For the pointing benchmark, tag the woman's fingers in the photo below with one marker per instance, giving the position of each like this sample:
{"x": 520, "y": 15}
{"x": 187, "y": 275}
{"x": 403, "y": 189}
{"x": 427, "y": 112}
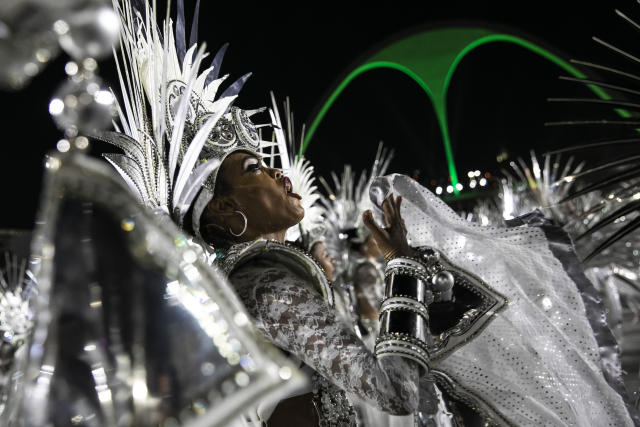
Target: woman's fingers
{"x": 398, "y": 204}
{"x": 396, "y": 211}
{"x": 392, "y": 218}
{"x": 387, "y": 208}
{"x": 392, "y": 239}
{"x": 400, "y": 220}
{"x": 392, "y": 213}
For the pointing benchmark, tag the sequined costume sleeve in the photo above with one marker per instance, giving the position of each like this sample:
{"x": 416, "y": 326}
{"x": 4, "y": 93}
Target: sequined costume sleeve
{"x": 295, "y": 317}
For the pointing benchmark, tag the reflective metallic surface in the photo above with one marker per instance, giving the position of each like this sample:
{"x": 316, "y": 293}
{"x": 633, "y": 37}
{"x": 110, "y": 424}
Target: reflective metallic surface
{"x": 132, "y": 328}
{"x": 31, "y": 32}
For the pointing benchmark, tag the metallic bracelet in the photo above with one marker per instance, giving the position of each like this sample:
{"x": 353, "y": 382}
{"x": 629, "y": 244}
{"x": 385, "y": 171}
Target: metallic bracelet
{"x": 432, "y": 307}
{"x": 404, "y": 317}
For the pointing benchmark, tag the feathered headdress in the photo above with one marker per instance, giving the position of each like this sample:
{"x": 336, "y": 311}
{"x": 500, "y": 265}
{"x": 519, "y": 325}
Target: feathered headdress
{"x": 348, "y": 199}
{"x": 536, "y": 186}
{"x": 175, "y": 130}
{"x": 583, "y": 212}
{"x": 301, "y": 173}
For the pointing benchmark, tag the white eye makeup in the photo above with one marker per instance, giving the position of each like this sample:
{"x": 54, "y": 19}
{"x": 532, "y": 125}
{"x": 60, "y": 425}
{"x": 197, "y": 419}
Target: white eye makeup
{"x": 252, "y": 164}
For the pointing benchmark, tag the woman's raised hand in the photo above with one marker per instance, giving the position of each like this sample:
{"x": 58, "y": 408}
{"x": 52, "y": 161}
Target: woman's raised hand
{"x": 392, "y": 238}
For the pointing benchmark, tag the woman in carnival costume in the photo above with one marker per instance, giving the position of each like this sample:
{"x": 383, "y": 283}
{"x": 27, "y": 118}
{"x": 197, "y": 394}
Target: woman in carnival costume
{"x": 214, "y": 148}
{"x": 460, "y": 307}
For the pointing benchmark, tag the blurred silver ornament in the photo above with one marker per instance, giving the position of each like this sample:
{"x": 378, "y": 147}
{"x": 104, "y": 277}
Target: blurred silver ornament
{"x": 89, "y": 33}
{"x": 82, "y": 103}
{"x": 429, "y": 255}
{"x": 24, "y": 58}
{"x": 132, "y": 327}
{"x": 27, "y": 39}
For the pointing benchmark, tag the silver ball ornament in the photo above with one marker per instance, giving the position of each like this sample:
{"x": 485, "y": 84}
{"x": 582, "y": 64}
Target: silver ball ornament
{"x": 84, "y": 104}
{"x": 89, "y": 33}
{"x": 443, "y": 281}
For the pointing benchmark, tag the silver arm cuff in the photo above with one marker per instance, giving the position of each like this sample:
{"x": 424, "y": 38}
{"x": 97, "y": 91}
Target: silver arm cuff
{"x": 404, "y": 317}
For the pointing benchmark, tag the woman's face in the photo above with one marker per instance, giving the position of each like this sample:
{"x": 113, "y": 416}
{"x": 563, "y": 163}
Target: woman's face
{"x": 263, "y": 194}
{"x": 319, "y": 252}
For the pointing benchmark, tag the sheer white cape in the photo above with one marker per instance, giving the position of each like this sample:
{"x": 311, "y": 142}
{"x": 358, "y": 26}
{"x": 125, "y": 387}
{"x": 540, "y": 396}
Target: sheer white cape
{"x": 537, "y": 362}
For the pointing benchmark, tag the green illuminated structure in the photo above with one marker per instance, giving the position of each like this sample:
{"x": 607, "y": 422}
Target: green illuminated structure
{"x": 430, "y": 58}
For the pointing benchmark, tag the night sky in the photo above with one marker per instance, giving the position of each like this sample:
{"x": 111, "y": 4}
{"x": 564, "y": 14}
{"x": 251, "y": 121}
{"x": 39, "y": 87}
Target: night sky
{"x": 497, "y": 101}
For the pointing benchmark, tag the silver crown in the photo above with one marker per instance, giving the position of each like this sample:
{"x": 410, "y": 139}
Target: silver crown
{"x": 233, "y": 132}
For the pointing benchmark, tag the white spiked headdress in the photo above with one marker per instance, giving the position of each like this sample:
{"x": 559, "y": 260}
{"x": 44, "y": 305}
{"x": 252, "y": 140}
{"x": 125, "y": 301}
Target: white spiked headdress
{"x": 175, "y": 129}
{"x": 301, "y": 173}
{"x": 348, "y": 199}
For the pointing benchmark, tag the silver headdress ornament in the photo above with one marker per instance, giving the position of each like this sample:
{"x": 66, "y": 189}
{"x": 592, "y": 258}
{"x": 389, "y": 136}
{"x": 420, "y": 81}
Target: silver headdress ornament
{"x": 527, "y": 187}
{"x": 348, "y": 199}
{"x": 167, "y": 100}
{"x": 301, "y": 173}
{"x": 17, "y": 286}
{"x": 586, "y": 214}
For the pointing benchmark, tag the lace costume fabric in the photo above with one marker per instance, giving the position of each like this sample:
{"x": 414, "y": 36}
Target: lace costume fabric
{"x": 537, "y": 362}
{"x": 295, "y": 317}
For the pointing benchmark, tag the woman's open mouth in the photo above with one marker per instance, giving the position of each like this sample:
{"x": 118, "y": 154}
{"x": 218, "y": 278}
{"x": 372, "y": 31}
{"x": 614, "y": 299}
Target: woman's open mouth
{"x": 288, "y": 187}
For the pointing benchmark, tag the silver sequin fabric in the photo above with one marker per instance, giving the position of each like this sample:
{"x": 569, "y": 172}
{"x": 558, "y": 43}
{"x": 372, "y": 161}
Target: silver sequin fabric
{"x": 537, "y": 362}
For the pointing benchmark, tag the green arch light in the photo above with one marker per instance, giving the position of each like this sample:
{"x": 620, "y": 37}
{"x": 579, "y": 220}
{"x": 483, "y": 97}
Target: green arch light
{"x": 430, "y": 58}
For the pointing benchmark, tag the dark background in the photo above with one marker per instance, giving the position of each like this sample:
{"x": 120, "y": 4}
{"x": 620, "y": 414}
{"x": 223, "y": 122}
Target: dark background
{"x": 497, "y": 100}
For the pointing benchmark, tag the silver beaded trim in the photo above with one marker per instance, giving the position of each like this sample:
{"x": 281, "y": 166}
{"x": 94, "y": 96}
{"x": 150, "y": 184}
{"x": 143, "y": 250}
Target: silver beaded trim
{"x": 243, "y": 251}
{"x": 332, "y": 404}
{"x": 403, "y": 345}
{"x": 406, "y": 262}
{"x": 401, "y": 303}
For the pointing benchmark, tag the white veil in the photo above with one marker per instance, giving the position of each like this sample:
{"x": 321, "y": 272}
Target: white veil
{"x": 537, "y": 362}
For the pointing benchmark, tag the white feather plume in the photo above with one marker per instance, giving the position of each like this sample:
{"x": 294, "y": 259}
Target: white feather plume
{"x": 299, "y": 170}
{"x": 347, "y": 198}
{"x": 149, "y": 62}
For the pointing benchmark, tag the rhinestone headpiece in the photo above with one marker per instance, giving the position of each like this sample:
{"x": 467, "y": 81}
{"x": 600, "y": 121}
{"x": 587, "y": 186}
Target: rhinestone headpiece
{"x": 234, "y": 131}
